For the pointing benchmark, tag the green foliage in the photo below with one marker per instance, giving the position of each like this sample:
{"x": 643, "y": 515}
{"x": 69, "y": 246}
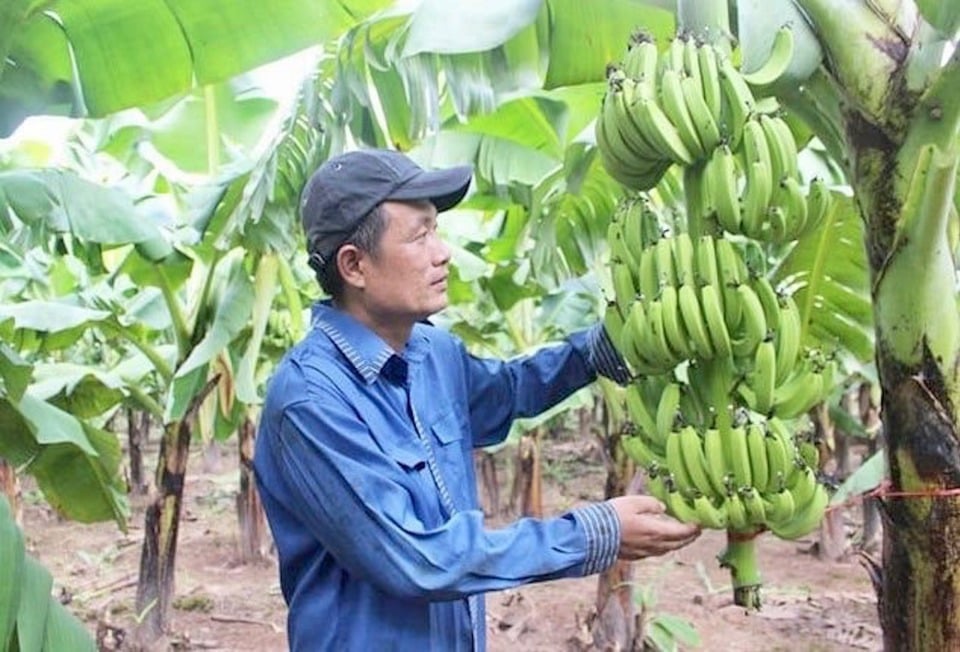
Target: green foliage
{"x": 31, "y": 618}
{"x": 113, "y": 43}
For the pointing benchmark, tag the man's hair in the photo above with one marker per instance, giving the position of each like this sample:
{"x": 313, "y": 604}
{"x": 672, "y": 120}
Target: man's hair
{"x": 365, "y": 237}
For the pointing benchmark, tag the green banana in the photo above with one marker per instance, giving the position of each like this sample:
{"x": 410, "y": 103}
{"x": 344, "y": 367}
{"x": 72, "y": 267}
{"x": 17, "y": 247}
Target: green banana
{"x": 788, "y": 338}
{"x": 683, "y": 258}
{"x": 780, "y": 507}
{"x": 613, "y": 323}
{"x": 635, "y": 325}
{"x": 819, "y": 202}
{"x": 694, "y": 460}
{"x": 798, "y": 394}
{"x": 795, "y": 206}
{"x": 757, "y": 450}
{"x": 738, "y": 102}
{"x": 783, "y": 147}
{"x": 648, "y": 281}
{"x": 763, "y": 377}
{"x": 710, "y": 80}
{"x": 640, "y": 414}
{"x": 806, "y": 518}
{"x": 776, "y": 225}
{"x": 624, "y": 291}
{"x": 778, "y": 461}
{"x": 707, "y": 261}
{"x": 653, "y": 123}
{"x": 620, "y": 121}
{"x": 693, "y": 321}
{"x": 667, "y": 409}
{"x": 721, "y": 174}
{"x": 756, "y": 511}
{"x": 755, "y": 200}
{"x": 678, "y": 468}
{"x": 674, "y": 106}
{"x": 640, "y": 62}
{"x": 738, "y": 455}
{"x": 804, "y": 482}
{"x": 777, "y": 63}
{"x": 716, "y": 465}
{"x": 656, "y": 341}
{"x": 691, "y": 63}
{"x": 664, "y": 262}
{"x": 679, "y": 508}
{"x": 707, "y": 130}
{"x": 737, "y": 518}
{"x": 753, "y": 326}
{"x": 656, "y": 485}
{"x": 641, "y": 452}
{"x": 618, "y": 244}
{"x": 708, "y": 514}
{"x": 769, "y": 300}
{"x": 677, "y": 337}
{"x": 674, "y": 55}
{"x": 716, "y": 323}
{"x": 732, "y": 272}
{"x": 809, "y": 452}
{"x": 754, "y": 146}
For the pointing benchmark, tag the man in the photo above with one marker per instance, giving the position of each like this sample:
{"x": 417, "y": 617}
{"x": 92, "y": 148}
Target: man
{"x": 364, "y": 453}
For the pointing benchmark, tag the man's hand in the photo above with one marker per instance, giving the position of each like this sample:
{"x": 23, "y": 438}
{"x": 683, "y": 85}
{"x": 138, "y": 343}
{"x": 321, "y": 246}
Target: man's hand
{"x": 646, "y": 530}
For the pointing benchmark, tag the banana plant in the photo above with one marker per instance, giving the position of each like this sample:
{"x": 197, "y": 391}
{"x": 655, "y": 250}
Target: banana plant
{"x": 888, "y": 73}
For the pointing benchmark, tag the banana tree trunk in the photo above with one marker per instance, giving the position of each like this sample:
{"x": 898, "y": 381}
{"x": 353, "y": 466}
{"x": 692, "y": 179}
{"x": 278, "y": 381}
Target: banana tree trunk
{"x": 249, "y": 508}
{"x": 920, "y": 601}
{"x": 899, "y": 111}
{"x": 138, "y": 428}
{"x": 155, "y": 587}
{"x": 917, "y": 354}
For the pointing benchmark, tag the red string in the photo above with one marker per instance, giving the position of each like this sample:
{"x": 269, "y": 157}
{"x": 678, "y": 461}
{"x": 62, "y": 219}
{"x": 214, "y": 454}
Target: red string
{"x": 883, "y": 490}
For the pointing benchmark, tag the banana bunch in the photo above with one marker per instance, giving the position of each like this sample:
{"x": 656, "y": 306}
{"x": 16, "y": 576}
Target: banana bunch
{"x": 670, "y": 108}
{"x": 755, "y": 189}
{"x": 745, "y": 477}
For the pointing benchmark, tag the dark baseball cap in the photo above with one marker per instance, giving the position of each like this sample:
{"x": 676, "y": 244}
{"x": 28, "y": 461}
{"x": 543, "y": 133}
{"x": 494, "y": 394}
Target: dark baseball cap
{"x": 342, "y": 191}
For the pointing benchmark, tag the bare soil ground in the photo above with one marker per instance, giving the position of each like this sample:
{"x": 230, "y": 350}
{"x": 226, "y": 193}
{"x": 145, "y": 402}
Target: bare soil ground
{"x": 809, "y": 605}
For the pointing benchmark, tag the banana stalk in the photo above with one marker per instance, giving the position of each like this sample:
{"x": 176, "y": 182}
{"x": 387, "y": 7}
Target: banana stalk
{"x": 740, "y": 556}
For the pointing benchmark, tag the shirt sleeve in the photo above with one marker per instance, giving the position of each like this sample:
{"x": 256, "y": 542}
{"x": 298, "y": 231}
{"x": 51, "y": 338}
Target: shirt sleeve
{"x": 604, "y": 356}
{"x": 501, "y": 391}
{"x": 361, "y": 505}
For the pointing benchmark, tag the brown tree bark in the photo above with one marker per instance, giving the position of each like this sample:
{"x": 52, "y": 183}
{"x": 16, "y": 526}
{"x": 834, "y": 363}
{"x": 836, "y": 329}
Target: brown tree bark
{"x": 138, "y": 429}
{"x": 485, "y": 463}
{"x": 250, "y": 514}
{"x": 155, "y": 587}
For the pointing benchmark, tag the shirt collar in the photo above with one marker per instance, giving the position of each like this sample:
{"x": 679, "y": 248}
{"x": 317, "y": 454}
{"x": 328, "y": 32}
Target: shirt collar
{"x": 365, "y": 350}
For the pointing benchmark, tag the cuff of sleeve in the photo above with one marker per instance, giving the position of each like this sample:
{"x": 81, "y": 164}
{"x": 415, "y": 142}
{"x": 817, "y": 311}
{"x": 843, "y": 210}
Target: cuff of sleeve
{"x": 605, "y": 358}
{"x": 602, "y": 529}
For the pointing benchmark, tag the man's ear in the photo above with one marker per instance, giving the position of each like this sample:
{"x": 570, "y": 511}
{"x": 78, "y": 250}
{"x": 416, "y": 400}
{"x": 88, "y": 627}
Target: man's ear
{"x": 348, "y": 262}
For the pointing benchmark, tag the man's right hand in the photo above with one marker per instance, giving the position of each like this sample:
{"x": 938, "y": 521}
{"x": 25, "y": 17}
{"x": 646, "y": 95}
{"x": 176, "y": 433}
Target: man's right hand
{"x": 646, "y": 530}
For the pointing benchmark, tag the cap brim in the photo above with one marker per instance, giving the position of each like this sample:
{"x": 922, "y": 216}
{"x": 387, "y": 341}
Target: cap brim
{"x": 444, "y": 188}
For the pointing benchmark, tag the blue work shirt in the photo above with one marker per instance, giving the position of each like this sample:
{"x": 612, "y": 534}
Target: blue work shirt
{"x": 364, "y": 464}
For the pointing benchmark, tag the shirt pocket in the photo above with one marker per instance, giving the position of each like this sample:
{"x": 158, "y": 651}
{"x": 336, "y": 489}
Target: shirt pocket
{"x": 454, "y": 460}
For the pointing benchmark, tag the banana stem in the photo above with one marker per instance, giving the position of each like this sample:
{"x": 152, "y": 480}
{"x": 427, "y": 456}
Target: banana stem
{"x": 708, "y": 20}
{"x": 740, "y": 556}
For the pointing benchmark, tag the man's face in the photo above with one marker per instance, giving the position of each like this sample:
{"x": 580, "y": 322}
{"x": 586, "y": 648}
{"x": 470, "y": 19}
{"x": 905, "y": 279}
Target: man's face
{"x": 406, "y": 277}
